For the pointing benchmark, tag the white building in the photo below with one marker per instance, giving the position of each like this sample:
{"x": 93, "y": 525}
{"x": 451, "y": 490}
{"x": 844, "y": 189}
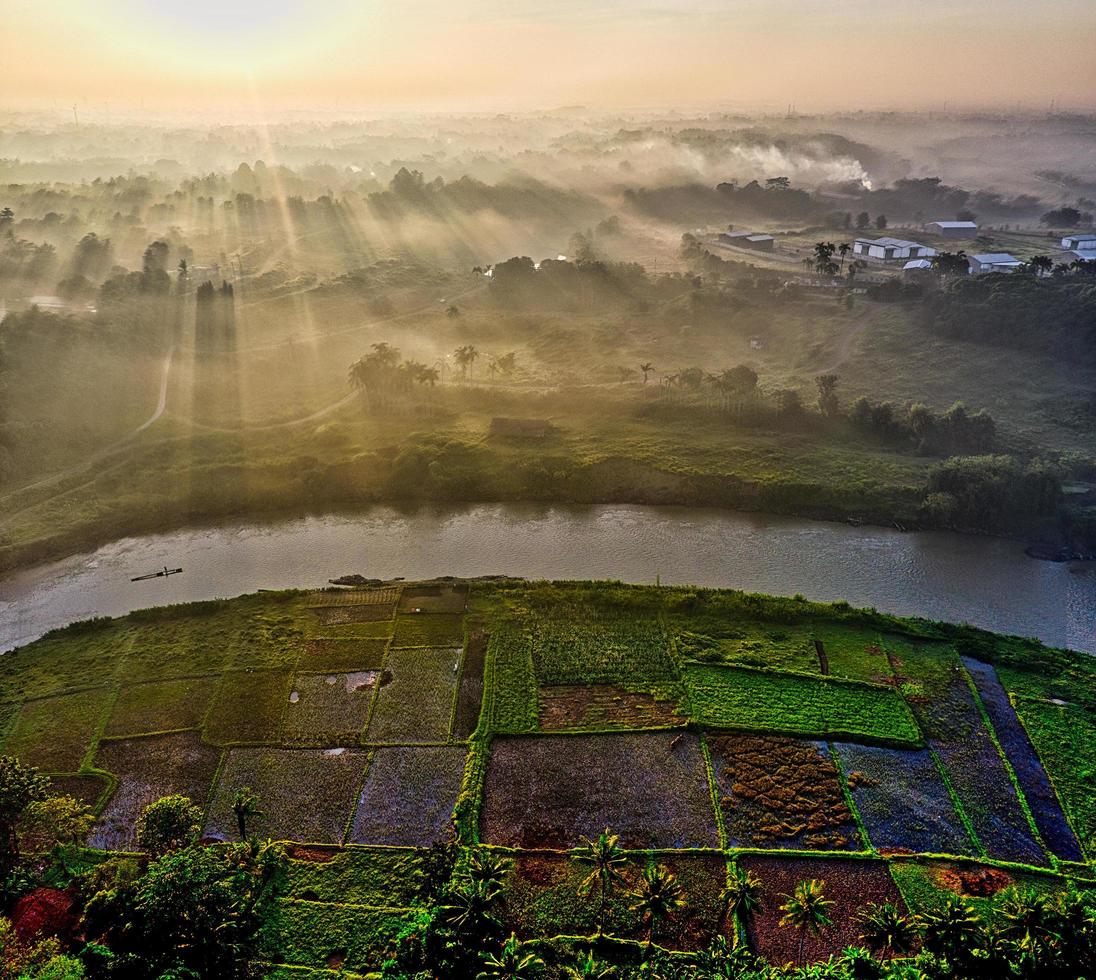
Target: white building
{"x": 890, "y": 249}
{"x": 953, "y": 229}
{"x": 1081, "y": 254}
{"x": 1085, "y": 242}
{"x": 917, "y": 266}
{"x": 993, "y": 262}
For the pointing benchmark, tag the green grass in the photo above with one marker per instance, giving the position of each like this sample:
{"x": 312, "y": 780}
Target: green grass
{"x": 428, "y": 630}
{"x": 160, "y": 706}
{"x": 417, "y": 704}
{"x": 755, "y": 700}
{"x": 248, "y": 707}
{"x": 54, "y": 734}
{"x": 1065, "y": 739}
{"x": 511, "y": 686}
{"x": 357, "y": 877}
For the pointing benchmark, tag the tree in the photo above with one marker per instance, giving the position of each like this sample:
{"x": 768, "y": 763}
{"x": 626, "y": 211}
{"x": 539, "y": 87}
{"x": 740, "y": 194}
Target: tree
{"x": 951, "y": 263}
{"x": 245, "y": 807}
{"x": 657, "y": 899}
{"x": 863, "y": 220}
{"x": 828, "y": 404}
{"x": 824, "y": 264}
{"x": 741, "y": 898}
{"x": 466, "y": 356}
{"x": 470, "y": 908}
{"x": 881, "y": 222}
{"x": 807, "y": 910}
{"x": 198, "y": 910}
{"x": 606, "y": 860}
{"x": 952, "y": 932}
{"x": 1040, "y": 265}
{"x": 886, "y": 930}
{"x": 589, "y": 969}
{"x": 843, "y": 249}
{"x": 1062, "y": 218}
{"x": 20, "y": 786}
{"x": 487, "y": 868}
{"x": 646, "y": 367}
{"x": 453, "y": 312}
{"x": 171, "y": 823}
{"x": 511, "y": 962}
{"x": 57, "y": 822}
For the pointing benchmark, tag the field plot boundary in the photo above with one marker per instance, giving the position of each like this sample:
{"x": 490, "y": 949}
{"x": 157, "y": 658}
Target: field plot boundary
{"x": 706, "y": 719}
{"x": 354, "y": 597}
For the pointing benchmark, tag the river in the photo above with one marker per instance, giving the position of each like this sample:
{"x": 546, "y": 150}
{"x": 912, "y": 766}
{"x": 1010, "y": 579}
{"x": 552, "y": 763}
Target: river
{"x": 984, "y": 581}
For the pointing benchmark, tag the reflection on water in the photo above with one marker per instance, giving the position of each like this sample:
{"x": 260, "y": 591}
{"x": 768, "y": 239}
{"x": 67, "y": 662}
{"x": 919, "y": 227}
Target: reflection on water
{"x": 940, "y": 576}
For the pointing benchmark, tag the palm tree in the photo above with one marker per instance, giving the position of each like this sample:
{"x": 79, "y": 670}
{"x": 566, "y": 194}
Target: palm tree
{"x": 1030, "y": 922}
{"x": 658, "y": 897}
{"x": 741, "y": 898}
{"x": 245, "y": 806}
{"x": 646, "y": 367}
{"x": 1041, "y": 264}
{"x": 606, "y": 860}
{"x": 843, "y": 248}
{"x": 807, "y": 909}
{"x": 510, "y": 963}
{"x": 886, "y": 930}
{"x": 471, "y": 907}
{"x": 466, "y": 356}
{"x": 487, "y": 868}
{"x": 951, "y": 932}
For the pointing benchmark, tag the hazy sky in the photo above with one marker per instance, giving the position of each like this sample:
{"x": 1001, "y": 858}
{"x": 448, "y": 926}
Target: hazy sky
{"x": 494, "y": 54}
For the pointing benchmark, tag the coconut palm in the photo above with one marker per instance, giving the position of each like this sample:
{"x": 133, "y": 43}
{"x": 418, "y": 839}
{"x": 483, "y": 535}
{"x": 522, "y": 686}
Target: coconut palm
{"x": 952, "y": 931}
{"x": 510, "y": 963}
{"x": 1040, "y": 264}
{"x": 471, "y": 905}
{"x": 245, "y": 807}
{"x": 1031, "y": 923}
{"x": 886, "y": 930}
{"x": 843, "y": 248}
{"x": 807, "y": 910}
{"x": 487, "y": 868}
{"x": 658, "y": 897}
{"x": 646, "y": 367}
{"x": 606, "y": 860}
{"x": 741, "y": 898}
{"x": 466, "y": 356}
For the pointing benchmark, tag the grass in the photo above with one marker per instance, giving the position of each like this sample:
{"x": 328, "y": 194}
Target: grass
{"x": 408, "y": 796}
{"x": 55, "y": 734}
{"x": 306, "y": 794}
{"x": 756, "y": 700}
{"x": 416, "y": 705}
{"x": 329, "y": 709}
{"x": 425, "y": 630}
{"x": 382, "y": 878}
{"x": 162, "y": 706}
{"x": 1065, "y": 738}
{"x": 248, "y": 707}
{"x": 336, "y": 654}
{"x": 512, "y": 685}
{"x": 148, "y": 769}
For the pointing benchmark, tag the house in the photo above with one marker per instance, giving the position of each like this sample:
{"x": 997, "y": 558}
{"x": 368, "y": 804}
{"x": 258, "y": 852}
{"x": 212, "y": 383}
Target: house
{"x": 993, "y": 262}
{"x": 953, "y": 229}
{"x": 748, "y": 239}
{"x": 890, "y": 249}
{"x": 1081, "y": 255}
{"x": 1083, "y": 242}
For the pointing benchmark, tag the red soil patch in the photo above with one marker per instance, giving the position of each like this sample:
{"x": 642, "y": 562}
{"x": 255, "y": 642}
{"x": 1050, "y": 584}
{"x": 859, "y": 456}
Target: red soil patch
{"x": 602, "y": 706}
{"x": 973, "y": 882}
{"x": 317, "y": 855}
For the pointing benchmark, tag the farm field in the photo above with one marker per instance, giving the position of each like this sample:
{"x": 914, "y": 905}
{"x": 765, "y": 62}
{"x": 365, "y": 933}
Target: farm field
{"x": 710, "y": 731}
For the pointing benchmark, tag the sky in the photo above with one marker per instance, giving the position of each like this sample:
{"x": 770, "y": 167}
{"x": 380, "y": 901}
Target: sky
{"x": 483, "y": 55}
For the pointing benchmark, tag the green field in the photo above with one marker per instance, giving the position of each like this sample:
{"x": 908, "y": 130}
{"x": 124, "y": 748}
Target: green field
{"x": 375, "y": 794}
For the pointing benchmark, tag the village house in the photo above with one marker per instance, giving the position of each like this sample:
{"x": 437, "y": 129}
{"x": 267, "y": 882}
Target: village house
{"x": 953, "y": 229}
{"x": 993, "y": 262}
{"x": 890, "y": 250}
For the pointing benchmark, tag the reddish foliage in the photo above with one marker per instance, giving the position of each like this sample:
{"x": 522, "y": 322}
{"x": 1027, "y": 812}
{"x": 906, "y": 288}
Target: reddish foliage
{"x": 44, "y": 913}
{"x": 976, "y": 882}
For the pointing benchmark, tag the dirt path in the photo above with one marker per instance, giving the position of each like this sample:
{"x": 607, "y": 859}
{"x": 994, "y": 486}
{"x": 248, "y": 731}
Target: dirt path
{"x": 846, "y": 345}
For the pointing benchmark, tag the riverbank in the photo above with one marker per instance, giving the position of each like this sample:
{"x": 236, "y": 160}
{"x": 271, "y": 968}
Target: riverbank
{"x": 986, "y": 581}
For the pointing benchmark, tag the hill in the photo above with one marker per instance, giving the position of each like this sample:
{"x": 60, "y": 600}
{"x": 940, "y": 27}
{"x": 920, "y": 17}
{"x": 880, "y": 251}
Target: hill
{"x": 395, "y": 732}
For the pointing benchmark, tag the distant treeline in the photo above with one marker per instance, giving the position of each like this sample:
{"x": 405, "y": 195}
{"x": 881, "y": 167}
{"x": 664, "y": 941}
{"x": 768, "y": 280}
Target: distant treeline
{"x": 1050, "y": 314}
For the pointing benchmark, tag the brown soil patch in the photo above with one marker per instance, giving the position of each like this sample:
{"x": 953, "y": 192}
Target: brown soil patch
{"x": 973, "y": 882}
{"x": 603, "y": 706}
{"x": 780, "y": 792}
{"x": 317, "y": 855}
{"x": 470, "y": 692}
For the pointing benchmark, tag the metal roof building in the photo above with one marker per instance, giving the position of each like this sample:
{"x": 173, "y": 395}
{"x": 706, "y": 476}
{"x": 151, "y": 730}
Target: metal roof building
{"x": 890, "y": 249}
{"x": 954, "y": 229}
{"x": 993, "y": 262}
